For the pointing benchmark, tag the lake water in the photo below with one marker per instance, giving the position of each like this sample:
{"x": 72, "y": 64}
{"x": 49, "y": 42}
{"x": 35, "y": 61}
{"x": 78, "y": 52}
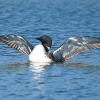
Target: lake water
{"x": 76, "y": 79}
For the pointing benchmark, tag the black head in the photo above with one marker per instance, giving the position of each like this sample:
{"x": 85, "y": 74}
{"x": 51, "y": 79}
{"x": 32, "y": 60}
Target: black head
{"x": 46, "y": 41}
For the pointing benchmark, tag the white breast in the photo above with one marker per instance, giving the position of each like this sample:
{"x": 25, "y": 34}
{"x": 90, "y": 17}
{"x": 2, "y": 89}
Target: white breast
{"x": 39, "y": 55}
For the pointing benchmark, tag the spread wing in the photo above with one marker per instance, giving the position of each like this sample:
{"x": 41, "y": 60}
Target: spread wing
{"x": 74, "y": 45}
{"x": 17, "y": 42}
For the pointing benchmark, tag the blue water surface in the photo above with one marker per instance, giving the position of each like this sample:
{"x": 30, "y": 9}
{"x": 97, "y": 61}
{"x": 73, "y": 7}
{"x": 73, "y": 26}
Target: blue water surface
{"x": 76, "y": 79}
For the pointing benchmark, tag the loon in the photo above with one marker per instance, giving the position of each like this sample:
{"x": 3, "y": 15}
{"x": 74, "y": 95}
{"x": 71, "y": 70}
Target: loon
{"x": 41, "y": 52}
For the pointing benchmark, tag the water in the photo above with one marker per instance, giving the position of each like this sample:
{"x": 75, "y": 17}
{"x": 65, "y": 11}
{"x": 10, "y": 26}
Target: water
{"x": 77, "y": 79}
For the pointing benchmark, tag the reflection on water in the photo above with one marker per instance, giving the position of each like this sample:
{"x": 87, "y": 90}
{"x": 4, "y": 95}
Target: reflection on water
{"x": 39, "y": 64}
{"x": 37, "y": 70}
{"x": 55, "y": 81}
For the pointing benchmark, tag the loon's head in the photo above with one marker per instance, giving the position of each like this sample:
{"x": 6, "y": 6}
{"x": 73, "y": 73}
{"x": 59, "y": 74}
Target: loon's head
{"x": 46, "y": 41}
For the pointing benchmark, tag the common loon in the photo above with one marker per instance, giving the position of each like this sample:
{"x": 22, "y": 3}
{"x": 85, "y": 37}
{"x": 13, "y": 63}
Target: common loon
{"x": 41, "y": 53}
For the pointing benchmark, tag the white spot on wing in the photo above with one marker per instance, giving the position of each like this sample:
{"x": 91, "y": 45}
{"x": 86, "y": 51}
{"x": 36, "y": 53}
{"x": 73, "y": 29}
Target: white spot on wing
{"x": 73, "y": 39}
{"x": 84, "y": 40}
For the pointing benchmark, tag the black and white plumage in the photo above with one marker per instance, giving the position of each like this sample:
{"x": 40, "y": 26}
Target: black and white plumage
{"x": 74, "y": 45}
{"x": 41, "y": 53}
{"x": 17, "y": 42}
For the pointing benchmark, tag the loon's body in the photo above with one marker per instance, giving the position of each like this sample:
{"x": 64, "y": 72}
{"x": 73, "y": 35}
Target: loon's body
{"x": 41, "y": 52}
{"x": 39, "y": 55}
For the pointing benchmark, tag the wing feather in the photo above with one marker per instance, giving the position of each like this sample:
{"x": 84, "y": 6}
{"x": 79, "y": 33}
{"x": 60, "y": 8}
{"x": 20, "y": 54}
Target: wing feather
{"x": 74, "y": 45}
{"x": 17, "y": 42}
